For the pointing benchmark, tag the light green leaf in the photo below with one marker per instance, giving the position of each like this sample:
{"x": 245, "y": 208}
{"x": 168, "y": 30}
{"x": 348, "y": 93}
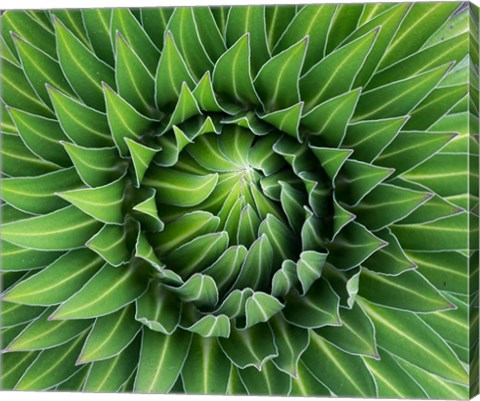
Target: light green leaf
{"x": 154, "y": 21}
{"x": 16, "y": 258}
{"x": 277, "y": 81}
{"x": 95, "y": 166}
{"x": 103, "y": 203}
{"x": 306, "y": 384}
{"x": 235, "y": 143}
{"x": 292, "y": 201}
{"x": 159, "y": 309}
{"x": 97, "y": 25}
{"x": 284, "y": 279}
{"x": 291, "y": 342}
{"x": 110, "y": 335}
{"x": 398, "y": 98}
{"x": 32, "y": 129}
{"x": 261, "y": 157}
{"x": 211, "y": 326}
{"x": 317, "y": 308}
{"x": 141, "y": 157}
{"x": 147, "y": 213}
{"x": 355, "y": 336}
{"x": 58, "y": 281}
{"x": 52, "y": 367}
{"x": 234, "y": 304}
{"x": 232, "y": 77}
{"x": 107, "y": 291}
{"x": 309, "y": 268}
{"x": 344, "y": 21}
{"x": 63, "y": 229}
{"x": 171, "y": 73}
{"x": 205, "y": 96}
{"x": 267, "y": 381}
{"x": 286, "y": 120}
{"x": 208, "y": 32}
{"x": 72, "y": 19}
{"x": 199, "y": 289}
{"x": 250, "y": 21}
{"x": 213, "y": 377}
{"x": 15, "y": 367}
{"x": 43, "y": 334}
{"x": 346, "y": 375}
{"x": 277, "y": 19}
{"x": 123, "y": 21}
{"x": 247, "y": 226}
{"x": 250, "y": 347}
{"x": 124, "y": 120}
{"x": 111, "y": 244}
{"x": 260, "y": 307}
{"x": 336, "y": 73}
{"x": 37, "y": 194}
{"x": 14, "y": 314}
{"x": 162, "y": 358}
{"x": 134, "y": 82}
{"x": 184, "y": 29}
{"x": 408, "y": 337}
{"x": 84, "y": 125}
{"x": 180, "y": 189}
{"x": 83, "y": 70}
{"x": 281, "y": 238}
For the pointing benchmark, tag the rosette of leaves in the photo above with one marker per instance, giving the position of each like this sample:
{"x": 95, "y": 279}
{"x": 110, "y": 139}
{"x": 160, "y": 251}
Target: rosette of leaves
{"x": 261, "y": 200}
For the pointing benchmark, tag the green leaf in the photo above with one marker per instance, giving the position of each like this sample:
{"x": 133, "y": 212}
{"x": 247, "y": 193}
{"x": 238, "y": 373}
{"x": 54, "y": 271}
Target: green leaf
{"x": 63, "y": 229}
{"x": 214, "y": 376}
{"x": 284, "y": 279}
{"x": 16, "y": 258}
{"x": 281, "y": 238}
{"x": 286, "y": 120}
{"x": 291, "y": 342}
{"x": 353, "y": 245}
{"x": 110, "y": 335}
{"x": 52, "y": 367}
{"x": 154, "y": 21}
{"x": 408, "y": 337}
{"x": 95, "y": 166}
{"x": 410, "y": 149}
{"x": 123, "y": 21}
{"x": 268, "y": 381}
{"x": 181, "y": 189}
{"x": 83, "y": 70}
{"x": 250, "y": 347}
{"x": 205, "y": 96}
{"x": 309, "y": 268}
{"x": 277, "y": 19}
{"x": 345, "y": 21}
{"x": 82, "y": 124}
{"x": 162, "y": 358}
{"x": 206, "y": 152}
{"x": 37, "y": 194}
{"x": 72, "y": 19}
{"x": 18, "y": 161}
{"x": 317, "y": 308}
{"x": 257, "y": 266}
{"x": 246, "y": 225}
{"x": 250, "y": 21}
{"x": 331, "y": 159}
{"x": 312, "y": 20}
{"x": 107, "y": 291}
{"x": 346, "y": 375}
{"x": 235, "y": 144}
{"x": 368, "y": 139}
{"x": 147, "y": 213}
{"x": 141, "y": 157}
{"x": 390, "y": 204}
{"x": 40, "y": 69}
{"x": 171, "y": 73}
{"x": 398, "y": 98}
{"x": 260, "y": 307}
{"x": 15, "y": 367}
{"x": 234, "y": 304}
{"x": 277, "y": 81}
{"x": 447, "y": 234}
{"x": 261, "y": 157}
{"x": 292, "y": 202}
{"x": 183, "y": 27}
{"x": 102, "y": 203}
{"x": 199, "y": 289}
{"x": 32, "y": 130}
{"x": 336, "y": 73}
{"x": 355, "y": 336}
{"x": 124, "y": 120}
{"x": 186, "y": 228}
{"x": 159, "y": 309}
{"x": 43, "y": 334}
{"x": 231, "y": 76}
{"x": 326, "y": 123}
{"x": 111, "y": 244}
{"x": 211, "y": 326}
{"x": 420, "y": 23}
{"x": 111, "y": 374}
{"x": 14, "y": 314}
{"x": 97, "y": 25}
{"x": 17, "y": 91}
{"x": 306, "y": 384}
{"x": 357, "y": 179}
{"x": 58, "y": 281}
{"x": 391, "y": 380}
{"x": 134, "y": 82}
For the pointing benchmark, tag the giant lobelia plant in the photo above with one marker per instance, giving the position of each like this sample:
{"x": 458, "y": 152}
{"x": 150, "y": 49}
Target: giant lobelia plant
{"x": 261, "y": 200}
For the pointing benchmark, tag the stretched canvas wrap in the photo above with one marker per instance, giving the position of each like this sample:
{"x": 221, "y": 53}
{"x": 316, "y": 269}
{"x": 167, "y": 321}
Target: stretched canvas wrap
{"x": 277, "y": 200}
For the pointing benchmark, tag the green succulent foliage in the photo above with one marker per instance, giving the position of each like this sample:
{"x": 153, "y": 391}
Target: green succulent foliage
{"x": 238, "y": 200}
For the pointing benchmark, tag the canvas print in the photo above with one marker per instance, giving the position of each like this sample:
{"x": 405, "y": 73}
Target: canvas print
{"x": 264, "y": 200}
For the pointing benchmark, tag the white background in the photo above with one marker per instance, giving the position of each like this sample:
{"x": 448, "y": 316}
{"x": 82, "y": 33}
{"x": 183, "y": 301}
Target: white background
{"x": 29, "y": 4}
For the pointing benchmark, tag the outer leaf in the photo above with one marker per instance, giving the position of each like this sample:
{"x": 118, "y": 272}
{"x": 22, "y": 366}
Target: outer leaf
{"x": 63, "y": 229}
{"x": 110, "y": 335}
{"x": 306, "y": 384}
{"x": 260, "y": 307}
{"x": 109, "y": 290}
{"x": 214, "y": 376}
{"x": 16, "y": 258}
{"x": 268, "y": 381}
{"x": 97, "y": 25}
{"x": 58, "y": 281}
{"x": 15, "y": 367}
{"x": 161, "y": 360}
{"x": 111, "y": 244}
